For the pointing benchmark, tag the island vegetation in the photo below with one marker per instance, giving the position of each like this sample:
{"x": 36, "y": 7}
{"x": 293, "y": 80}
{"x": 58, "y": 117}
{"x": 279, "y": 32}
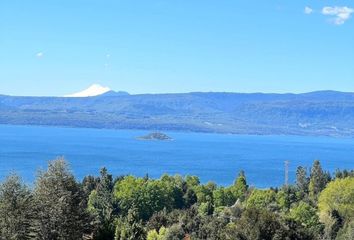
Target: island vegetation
{"x": 155, "y": 136}
{"x": 318, "y": 206}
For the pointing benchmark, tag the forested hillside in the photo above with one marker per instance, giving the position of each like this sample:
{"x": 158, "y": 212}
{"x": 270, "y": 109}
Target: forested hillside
{"x": 317, "y": 113}
{"x": 57, "y": 206}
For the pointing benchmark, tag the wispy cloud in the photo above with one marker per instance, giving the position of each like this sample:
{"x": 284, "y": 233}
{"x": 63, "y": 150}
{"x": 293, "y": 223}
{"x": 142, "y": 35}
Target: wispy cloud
{"x": 308, "y": 10}
{"x": 341, "y": 14}
{"x": 40, "y": 55}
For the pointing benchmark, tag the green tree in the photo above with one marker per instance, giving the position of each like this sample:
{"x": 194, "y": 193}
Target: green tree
{"x": 61, "y": 206}
{"x": 189, "y": 198}
{"x": 286, "y": 196}
{"x": 261, "y": 199}
{"x": 240, "y": 186}
{"x": 206, "y": 208}
{"x": 302, "y": 181}
{"x": 154, "y": 235}
{"x": 223, "y": 197}
{"x": 89, "y": 183}
{"x": 173, "y": 186}
{"x": 336, "y": 205}
{"x": 261, "y": 224}
{"x": 130, "y": 228}
{"x": 146, "y": 196}
{"x": 16, "y": 209}
{"x": 205, "y": 192}
{"x": 210, "y": 227}
{"x": 343, "y": 174}
{"x": 254, "y": 224}
{"x": 101, "y": 204}
{"x": 307, "y": 216}
{"x": 126, "y": 192}
{"x": 159, "y": 219}
{"x": 338, "y": 196}
{"x": 192, "y": 181}
{"x": 318, "y": 180}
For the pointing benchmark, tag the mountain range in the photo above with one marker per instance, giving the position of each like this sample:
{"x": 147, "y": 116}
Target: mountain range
{"x": 327, "y": 113}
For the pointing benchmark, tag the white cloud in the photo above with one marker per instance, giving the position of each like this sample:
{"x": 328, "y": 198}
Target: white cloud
{"x": 308, "y": 10}
{"x": 341, "y": 14}
{"x": 108, "y": 55}
{"x": 39, "y": 55}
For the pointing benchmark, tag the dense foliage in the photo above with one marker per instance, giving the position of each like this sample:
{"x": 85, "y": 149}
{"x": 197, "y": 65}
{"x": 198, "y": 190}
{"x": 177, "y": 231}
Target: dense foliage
{"x": 318, "y": 206}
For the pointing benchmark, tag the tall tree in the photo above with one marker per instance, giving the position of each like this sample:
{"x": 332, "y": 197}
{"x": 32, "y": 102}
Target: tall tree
{"x": 240, "y": 186}
{"x": 61, "y": 206}
{"x": 302, "y": 181}
{"x": 16, "y": 209}
{"x": 318, "y": 180}
{"x": 102, "y": 205}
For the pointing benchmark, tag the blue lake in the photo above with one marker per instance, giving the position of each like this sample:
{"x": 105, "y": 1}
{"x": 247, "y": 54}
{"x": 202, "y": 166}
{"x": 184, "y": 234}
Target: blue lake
{"x": 212, "y": 157}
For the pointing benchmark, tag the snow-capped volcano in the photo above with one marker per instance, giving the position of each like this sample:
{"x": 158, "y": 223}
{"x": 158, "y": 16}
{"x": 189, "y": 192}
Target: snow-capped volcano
{"x": 93, "y": 90}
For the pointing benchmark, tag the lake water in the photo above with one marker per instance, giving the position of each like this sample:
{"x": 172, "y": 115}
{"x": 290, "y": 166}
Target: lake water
{"x": 214, "y": 157}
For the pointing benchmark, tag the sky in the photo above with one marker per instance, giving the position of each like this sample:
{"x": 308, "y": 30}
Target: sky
{"x": 58, "y": 47}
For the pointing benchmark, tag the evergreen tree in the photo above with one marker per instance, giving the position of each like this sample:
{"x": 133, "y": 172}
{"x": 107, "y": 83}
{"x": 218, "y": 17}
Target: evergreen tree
{"x": 302, "y": 181}
{"x": 89, "y": 183}
{"x": 343, "y": 174}
{"x": 16, "y": 209}
{"x": 318, "y": 180}
{"x": 61, "y": 206}
{"x": 101, "y": 204}
{"x": 240, "y": 186}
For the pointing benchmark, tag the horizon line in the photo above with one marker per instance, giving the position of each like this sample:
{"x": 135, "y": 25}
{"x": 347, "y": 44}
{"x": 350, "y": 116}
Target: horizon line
{"x": 191, "y": 92}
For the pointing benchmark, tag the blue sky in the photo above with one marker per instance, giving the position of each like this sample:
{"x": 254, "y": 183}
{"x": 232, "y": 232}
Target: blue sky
{"x": 153, "y": 46}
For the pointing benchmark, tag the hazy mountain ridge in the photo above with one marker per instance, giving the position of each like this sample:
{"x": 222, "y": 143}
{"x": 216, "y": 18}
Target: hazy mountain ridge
{"x": 315, "y": 113}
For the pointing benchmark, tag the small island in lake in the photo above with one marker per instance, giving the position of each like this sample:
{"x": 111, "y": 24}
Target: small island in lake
{"x": 155, "y": 136}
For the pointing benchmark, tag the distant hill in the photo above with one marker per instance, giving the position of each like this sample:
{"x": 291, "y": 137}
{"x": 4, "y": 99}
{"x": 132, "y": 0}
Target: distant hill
{"x": 317, "y": 113}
